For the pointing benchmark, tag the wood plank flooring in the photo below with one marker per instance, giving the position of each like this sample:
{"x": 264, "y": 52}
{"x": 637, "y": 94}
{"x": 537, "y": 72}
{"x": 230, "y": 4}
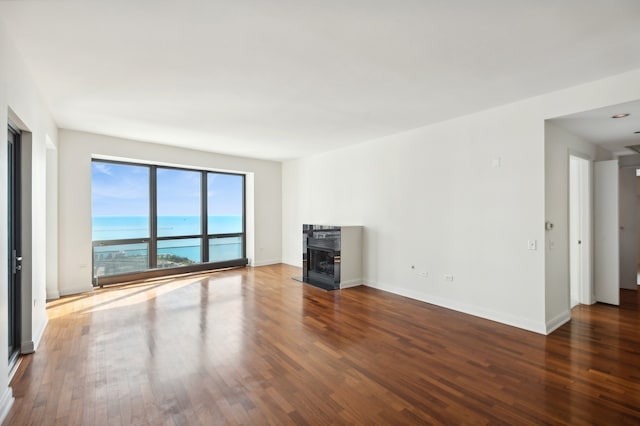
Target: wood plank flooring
{"x": 253, "y": 346}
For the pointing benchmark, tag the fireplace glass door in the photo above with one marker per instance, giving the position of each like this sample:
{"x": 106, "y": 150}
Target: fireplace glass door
{"x": 321, "y": 265}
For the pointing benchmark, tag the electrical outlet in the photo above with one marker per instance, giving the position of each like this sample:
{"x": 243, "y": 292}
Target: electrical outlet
{"x": 448, "y": 277}
{"x": 532, "y": 244}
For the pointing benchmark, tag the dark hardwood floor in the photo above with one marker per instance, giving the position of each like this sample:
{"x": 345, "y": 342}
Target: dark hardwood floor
{"x": 252, "y": 346}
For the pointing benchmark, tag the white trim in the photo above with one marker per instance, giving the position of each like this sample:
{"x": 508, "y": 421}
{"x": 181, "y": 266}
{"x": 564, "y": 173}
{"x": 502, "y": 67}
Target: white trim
{"x": 38, "y": 337}
{"x": 350, "y": 283}
{"x": 465, "y": 308}
{"x": 14, "y": 369}
{"x": 53, "y": 295}
{"x": 555, "y": 323}
{"x": 130, "y": 160}
{"x": 77, "y": 290}
{"x": 5, "y": 403}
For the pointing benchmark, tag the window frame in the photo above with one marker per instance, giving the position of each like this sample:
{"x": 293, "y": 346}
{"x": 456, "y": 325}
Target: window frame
{"x": 204, "y": 236}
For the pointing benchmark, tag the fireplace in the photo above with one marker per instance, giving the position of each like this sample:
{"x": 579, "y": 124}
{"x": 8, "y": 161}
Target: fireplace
{"x": 323, "y": 256}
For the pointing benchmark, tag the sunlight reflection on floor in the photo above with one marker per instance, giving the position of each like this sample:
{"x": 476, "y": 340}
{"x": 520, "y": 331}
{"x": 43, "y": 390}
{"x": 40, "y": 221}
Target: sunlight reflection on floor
{"x": 117, "y": 296}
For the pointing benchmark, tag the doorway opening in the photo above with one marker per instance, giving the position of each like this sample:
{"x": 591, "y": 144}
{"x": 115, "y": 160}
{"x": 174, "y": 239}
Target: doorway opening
{"x": 637, "y": 220}
{"x": 628, "y": 212}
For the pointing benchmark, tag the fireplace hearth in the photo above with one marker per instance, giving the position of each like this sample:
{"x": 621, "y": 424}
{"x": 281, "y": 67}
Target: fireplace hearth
{"x": 332, "y": 256}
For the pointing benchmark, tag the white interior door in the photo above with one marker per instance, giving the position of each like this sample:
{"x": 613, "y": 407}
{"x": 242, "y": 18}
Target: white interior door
{"x": 628, "y": 228}
{"x": 606, "y": 232}
{"x": 575, "y": 258}
{"x": 580, "y": 229}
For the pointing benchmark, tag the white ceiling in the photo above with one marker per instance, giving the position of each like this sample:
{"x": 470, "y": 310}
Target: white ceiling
{"x": 287, "y": 78}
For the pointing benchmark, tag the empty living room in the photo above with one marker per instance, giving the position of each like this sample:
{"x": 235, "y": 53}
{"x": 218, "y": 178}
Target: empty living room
{"x": 320, "y": 212}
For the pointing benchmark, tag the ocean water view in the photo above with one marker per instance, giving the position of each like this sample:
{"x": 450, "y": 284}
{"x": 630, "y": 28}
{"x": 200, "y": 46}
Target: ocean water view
{"x": 122, "y": 258}
{"x": 126, "y": 227}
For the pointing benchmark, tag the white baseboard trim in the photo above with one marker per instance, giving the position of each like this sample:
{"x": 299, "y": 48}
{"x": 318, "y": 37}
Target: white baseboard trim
{"x": 465, "y": 308}
{"x": 30, "y": 346}
{"x": 5, "y": 403}
{"x": 265, "y": 262}
{"x": 75, "y": 290}
{"x": 350, "y": 283}
{"x": 558, "y": 321}
{"x": 38, "y": 337}
{"x": 53, "y": 295}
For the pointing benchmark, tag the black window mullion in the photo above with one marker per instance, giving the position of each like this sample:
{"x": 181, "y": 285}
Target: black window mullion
{"x": 180, "y": 237}
{"x": 244, "y": 217}
{"x": 204, "y": 217}
{"x": 233, "y": 234}
{"x": 99, "y": 243}
{"x": 153, "y": 214}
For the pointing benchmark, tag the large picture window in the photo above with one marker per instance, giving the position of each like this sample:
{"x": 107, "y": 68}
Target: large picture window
{"x": 151, "y": 220}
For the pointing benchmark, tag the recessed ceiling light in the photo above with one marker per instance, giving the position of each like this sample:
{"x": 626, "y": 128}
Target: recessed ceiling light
{"x": 626, "y": 114}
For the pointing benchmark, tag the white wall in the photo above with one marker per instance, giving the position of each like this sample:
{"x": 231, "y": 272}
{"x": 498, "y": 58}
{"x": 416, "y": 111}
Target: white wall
{"x": 52, "y": 222}
{"x": 432, "y": 198}
{"x": 75, "y": 150}
{"x": 19, "y": 95}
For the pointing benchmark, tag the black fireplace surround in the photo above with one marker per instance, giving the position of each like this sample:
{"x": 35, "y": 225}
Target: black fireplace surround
{"x": 321, "y": 256}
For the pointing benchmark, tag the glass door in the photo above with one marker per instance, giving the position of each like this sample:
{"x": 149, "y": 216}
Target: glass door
{"x": 14, "y": 258}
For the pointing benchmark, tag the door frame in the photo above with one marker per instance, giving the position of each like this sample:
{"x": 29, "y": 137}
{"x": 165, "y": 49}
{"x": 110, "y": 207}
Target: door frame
{"x": 14, "y": 242}
{"x": 27, "y": 301}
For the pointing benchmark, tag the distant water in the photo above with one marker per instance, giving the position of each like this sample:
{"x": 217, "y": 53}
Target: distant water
{"x": 129, "y": 227}
{"x": 126, "y": 227}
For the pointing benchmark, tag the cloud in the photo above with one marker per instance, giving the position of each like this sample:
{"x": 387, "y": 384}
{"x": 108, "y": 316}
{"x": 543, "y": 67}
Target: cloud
{"x": 103, "y": 168}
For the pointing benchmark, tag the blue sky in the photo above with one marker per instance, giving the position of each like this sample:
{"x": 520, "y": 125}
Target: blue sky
{"x": 123, "y": 190}
{"x": 224, "y": 195}
{"x": 119, "y": 190}
{"x": 178, "y": 192}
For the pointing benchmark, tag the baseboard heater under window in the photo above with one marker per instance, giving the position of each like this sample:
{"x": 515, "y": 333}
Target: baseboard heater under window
{"x": 101, "y": 281}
